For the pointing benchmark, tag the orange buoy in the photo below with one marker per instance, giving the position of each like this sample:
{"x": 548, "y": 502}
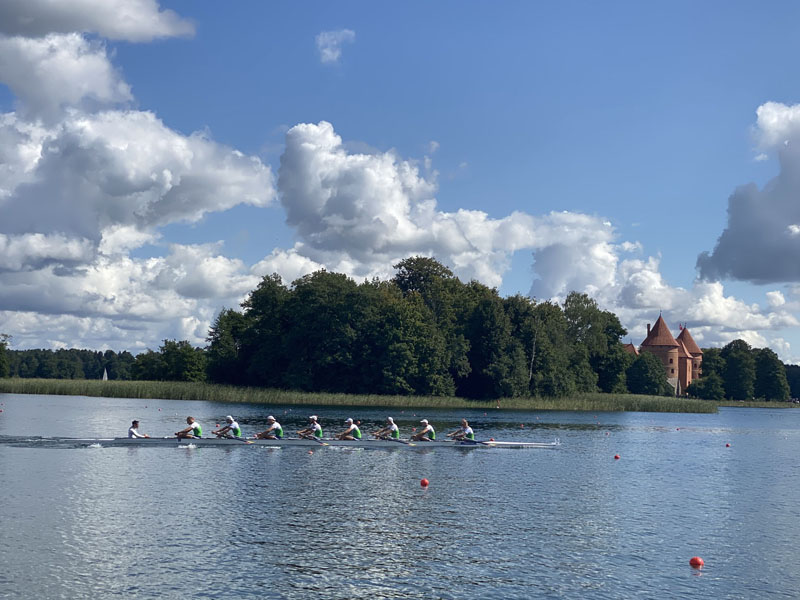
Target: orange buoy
{"x": 616, "y": 457}
{"x": 696, "y": 562}
{"x": 424, "y": 482}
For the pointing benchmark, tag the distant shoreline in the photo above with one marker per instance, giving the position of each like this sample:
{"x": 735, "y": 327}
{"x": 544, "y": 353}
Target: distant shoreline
{"x": 177, "y": 390}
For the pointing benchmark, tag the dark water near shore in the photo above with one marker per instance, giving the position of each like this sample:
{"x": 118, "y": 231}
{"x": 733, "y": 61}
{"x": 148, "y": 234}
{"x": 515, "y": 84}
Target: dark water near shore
{"x": 344, "y": 523}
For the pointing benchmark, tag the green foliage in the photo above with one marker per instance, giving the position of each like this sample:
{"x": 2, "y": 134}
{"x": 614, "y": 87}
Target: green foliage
{"x": 550, "y": 373}
{"x": 713, "y": 363}
{"x": 646, "y": 375}
{"x": 740, "y": 370}
{"x": 770, "y": 380}
{"x": 4, "y": 369}
{"x": 793, "y": 378}
{"x": 224, "y": 354}
{"x": 709, "y": 387}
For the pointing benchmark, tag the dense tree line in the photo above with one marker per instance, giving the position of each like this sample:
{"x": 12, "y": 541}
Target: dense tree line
{"x": 739, "y": 372}
{"x": 69, "y": 364}
{"x": 424, "y": 332}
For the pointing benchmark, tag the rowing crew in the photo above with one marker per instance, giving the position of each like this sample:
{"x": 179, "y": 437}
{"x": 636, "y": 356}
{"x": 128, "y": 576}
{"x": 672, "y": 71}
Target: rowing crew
{"x": 390, "y": 431}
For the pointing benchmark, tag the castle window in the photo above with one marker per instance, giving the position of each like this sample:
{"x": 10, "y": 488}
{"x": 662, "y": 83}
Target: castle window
{"x": 670, "y": 361}
{"x": 672, "y": 370}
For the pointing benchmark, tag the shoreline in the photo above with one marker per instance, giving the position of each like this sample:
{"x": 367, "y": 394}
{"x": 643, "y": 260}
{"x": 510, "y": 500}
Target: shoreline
{"x": 176, "y": 390}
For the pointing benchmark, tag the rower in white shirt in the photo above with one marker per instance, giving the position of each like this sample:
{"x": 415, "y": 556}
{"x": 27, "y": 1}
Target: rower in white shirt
{"x": 133, "y": 432}
{"x": 462, "y": 433}
{"x": 428, "y": 434}
{"x": 273, "y": 432}
{"x": 391, "y": 430}
{"x": 314, "y": 429}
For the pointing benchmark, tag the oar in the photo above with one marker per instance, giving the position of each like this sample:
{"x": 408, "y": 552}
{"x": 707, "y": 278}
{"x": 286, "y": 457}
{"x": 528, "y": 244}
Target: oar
{"x": 476, "y": 442}
{"x": 316, "y": 439}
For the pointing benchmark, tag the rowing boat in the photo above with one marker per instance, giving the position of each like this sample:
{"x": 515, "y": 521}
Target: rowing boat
{"x": 291, "y": 442}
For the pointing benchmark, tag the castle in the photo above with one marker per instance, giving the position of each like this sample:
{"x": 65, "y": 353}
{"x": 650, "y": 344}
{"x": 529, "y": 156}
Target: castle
{"x": 682, "y": 358}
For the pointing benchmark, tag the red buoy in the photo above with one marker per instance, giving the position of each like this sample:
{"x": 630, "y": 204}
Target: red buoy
{"x": 696, "y": 562}
{"x": 727, "y": 445}
{"x": 491, "y": 439}
{"x": 424, "y": 482}
{"x": 616, "y": 457}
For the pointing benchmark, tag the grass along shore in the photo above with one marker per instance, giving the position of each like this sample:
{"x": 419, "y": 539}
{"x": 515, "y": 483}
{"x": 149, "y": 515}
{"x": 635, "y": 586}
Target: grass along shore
{"x": 178, "y": 390}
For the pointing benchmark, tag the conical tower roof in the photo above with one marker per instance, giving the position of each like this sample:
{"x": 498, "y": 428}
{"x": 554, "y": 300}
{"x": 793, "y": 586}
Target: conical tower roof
{"x": 659, "y": 335}
{"x": 689, "y": 342}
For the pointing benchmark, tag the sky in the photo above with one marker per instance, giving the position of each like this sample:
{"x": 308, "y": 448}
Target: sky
{"x": 157, "y": 159}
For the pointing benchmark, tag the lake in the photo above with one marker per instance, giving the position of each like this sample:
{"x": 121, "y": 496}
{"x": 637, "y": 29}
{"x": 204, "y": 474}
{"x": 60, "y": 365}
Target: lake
{"x": 345, "y": 523}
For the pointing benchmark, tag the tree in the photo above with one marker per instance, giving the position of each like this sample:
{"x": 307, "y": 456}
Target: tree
{"x": 226, "y": 337}
{"x": 713, "y": 362}
{"x": 599, "y": 333}
{"x": 148, "y": 366}
{"x": 497, "y": 360}
{"x": 770, "y": 382}
{"x": 445, "y": 296}
{"x": 182, "y": 361}
{"x": 322, "y": 315}
{"x": 646, "y": 375}
{"x": 400, "y": 349}
{"x": 793, "y": 377}
{"x": 549, "y": 370}
{"x": 740, "y": 370}
{"x": 708, "y": 387}
{"x": 4, "y": 369}
{"x": 262, "y": 351}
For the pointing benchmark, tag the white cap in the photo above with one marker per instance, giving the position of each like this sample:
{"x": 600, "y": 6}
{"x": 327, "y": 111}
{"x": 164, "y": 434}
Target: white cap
{"x": 390, "y": 419}
{"x": 312, "y": 418}
{"x": 349, "y": 421}
{"x": 270, "y": 418}
{"x": 229, "y": 418}
{"x": 424, "y": 421}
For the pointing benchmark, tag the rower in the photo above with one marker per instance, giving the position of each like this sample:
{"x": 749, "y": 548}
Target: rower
{"x": 428, "y": 434}
{"x": 133, "y": 432}
{"x": 463, "y": 433}
{"x": 314, "y": 429}
{"x": 351, "y": 433}
{"x": 192, "y": 431}
{"x": 231, "y": 430}
{"x": 390, "y": 431}
{"x": 273, "y": 432}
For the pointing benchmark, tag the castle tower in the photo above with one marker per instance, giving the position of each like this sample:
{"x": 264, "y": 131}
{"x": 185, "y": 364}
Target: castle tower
{"x": 694, "y": 365}
{"x": 659, "y": 341}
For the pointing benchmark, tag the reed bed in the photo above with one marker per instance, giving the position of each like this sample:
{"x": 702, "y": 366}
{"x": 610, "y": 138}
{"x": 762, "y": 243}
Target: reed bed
{"x": 177, "y": 390}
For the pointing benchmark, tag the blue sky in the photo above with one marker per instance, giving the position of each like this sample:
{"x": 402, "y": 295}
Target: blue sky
{"x": 536, "y": 147}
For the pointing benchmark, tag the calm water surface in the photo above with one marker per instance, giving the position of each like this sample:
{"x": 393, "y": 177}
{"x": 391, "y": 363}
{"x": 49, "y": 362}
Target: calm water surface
{"x": 344, "y": 523}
